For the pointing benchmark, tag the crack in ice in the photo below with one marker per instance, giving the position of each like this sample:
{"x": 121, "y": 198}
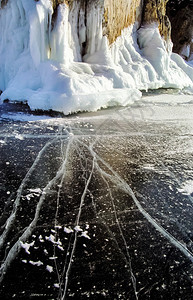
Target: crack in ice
{"x": 76, "y": 232}
{"x": 17, "y": 246}
{"x": 123, "y": 185}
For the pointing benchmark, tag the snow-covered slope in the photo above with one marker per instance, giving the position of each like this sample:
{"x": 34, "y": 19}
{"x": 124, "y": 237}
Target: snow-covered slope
{"x": 68, "y": 65}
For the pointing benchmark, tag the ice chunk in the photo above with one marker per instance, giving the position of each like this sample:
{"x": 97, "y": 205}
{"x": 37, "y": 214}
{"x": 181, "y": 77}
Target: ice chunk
{"x": 36, "y": 263}
{"x": 19, "y": 137}
{"x": 68, "y": 230}
{"x": 51, "y": 238}
{"x": 27, "y": 246}
{"x": 77, "y": 228}
{"x": 85, "y": 235}
{"x": 37, "y": 191}
{"x": 187, "y": 188}
{"x": 49, "y": 268}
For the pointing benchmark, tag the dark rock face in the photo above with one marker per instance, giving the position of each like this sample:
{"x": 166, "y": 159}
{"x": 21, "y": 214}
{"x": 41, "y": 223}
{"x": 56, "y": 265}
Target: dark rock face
{"x": 119, "y": 15}
{"x": 3, "y": 3}
{"x": 155, "y": 11}
{"x": 180, "y": 13}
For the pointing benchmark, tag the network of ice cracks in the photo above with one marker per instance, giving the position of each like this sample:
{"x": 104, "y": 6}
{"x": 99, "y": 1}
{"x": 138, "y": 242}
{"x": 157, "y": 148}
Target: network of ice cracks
{"x": 42, "y": 64}
{"x": 69, "y": 140}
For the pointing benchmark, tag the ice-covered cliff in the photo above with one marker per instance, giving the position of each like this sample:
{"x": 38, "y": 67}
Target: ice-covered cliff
{"x": 86, "y": 54}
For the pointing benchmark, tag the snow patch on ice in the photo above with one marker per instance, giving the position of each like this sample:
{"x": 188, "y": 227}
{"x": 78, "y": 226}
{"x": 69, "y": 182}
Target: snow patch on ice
{"x": 36, "y": 191}
{"x": 51, "y": 238}
{"x": 19, "y": 137}
{"x": 36, "y": 263}
{"x": 169, "y": 99}
{"x": 187, "y": 188}
{"x": 60, "y": 247}
{"x": 85, "y": 235}
{"x": 24, "y": 261}
{"x": 68, "y": 230}
{"x": 78, "y": 228}
{"x": 49, "y": 268}
{"x": 27, "y": 246}
{"x": 24, "y": 117}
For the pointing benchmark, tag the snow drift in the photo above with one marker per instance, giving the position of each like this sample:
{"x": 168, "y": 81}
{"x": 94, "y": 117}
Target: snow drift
{"x": 48, "y": 65}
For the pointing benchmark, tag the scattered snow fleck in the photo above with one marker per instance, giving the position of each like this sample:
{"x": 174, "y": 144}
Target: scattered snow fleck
{"x": 50, "y": 128}
{"x": 33, "y": 192}
{"x": 41, "y": 239}
{"x": 163, "y": 286}
{"x": 59, "y": 242}
{"x": 24, "y": 261}
{"x": 58, "y": 226}
{"x": 53, "y": 257}
{"x": 56, "y": 285}
{"x": 8, "y": 192}
{"x": 149, "y": 167}
{"x": 19, "y": 137}
{"x": 45, "y": 251}
{"x": 187, "y": 188}
{"x": 49, "y": 268}
{"x": 24, "y": 117}
{"x": 77, "y": 228}
{"x": 53, "y": 231}
{"x": 36, "y": 263}
{"x": 84, "y": 234}
{"x": 7, "y": 163}
{"x": 37, "y": 190}
{"x": 2, "y": 142}
{"x": 29, "y": 196}
{"x": 60, "y": 247}
{"x": 51, "y": 238}
{"x": 26, "y": 246}
{"x": 68, "y": 230}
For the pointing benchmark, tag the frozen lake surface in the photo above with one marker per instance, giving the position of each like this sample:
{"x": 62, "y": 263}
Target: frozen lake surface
{"x": 98, "y": 205}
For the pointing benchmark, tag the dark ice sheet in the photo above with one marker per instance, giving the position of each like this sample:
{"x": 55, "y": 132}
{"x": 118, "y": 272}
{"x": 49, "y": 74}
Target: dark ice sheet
{"x": 95, "y": 205}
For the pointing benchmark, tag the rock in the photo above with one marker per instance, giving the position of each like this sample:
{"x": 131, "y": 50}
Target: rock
{"x": 155, "y": 11}
{"x": 180, "y": 14}
{"x": 119, "y": 15}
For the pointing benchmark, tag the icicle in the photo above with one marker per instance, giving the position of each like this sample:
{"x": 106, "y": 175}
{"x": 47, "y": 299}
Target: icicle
{"x": 82, "y": 27}
{"x": 60, "y": 48}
